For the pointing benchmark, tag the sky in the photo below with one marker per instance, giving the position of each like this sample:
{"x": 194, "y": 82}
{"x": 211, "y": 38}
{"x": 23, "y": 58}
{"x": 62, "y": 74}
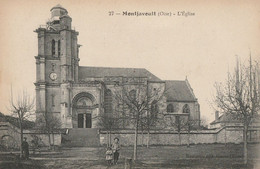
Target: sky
{"x": 202, "y": 47}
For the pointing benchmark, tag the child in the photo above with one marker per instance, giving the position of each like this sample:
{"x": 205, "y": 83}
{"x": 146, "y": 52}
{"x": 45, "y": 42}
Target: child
{"x": 109, "y": 155}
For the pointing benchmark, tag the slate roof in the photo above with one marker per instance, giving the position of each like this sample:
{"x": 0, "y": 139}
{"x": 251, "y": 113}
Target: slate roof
{"x": 230, "y": 118}
{"x": 87, "y": 72}
{"x": 175, "y": 90}
{"x": 179, "y": 91}
{"x": 14, "y": 121}
{"x": 223, "y": 118}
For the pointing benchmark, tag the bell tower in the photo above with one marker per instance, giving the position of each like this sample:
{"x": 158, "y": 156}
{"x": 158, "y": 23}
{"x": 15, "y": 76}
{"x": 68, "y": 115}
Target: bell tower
{"x": 56, "y": 65}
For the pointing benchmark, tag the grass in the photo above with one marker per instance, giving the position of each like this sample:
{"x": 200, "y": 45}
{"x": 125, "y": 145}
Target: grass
{"x": 195, "y": 156}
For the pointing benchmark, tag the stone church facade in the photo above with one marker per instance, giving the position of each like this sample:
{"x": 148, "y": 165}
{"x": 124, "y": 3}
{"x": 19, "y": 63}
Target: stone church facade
{"x": 77, "y": 95}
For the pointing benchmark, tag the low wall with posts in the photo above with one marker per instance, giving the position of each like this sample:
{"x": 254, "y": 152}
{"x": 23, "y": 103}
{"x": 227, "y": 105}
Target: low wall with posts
{"x": 10, "y": 136}
{"x": 223, "y": 135}
{"x": 43, "y": 138}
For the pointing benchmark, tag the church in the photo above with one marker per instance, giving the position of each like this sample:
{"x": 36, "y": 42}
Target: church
{"x": 77, "y": 95}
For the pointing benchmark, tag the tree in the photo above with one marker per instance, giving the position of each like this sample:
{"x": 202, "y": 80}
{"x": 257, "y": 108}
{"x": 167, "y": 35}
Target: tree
{"x": 239, "y": 96}
{"x": 179, "y": 122}
{"x": 203, "y": 124}
{"x": 182, "y": 122}
{"x": 136, "y": 101}
{"x": 109, "y": 122}
{"x": 22, "y": 107}
{"x": 49, "y": 124}
{"x": 152, "y": 118}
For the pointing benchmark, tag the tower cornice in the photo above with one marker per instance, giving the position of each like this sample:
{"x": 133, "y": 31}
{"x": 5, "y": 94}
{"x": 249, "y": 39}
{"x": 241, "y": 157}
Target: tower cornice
{"x": 70, "y": 30}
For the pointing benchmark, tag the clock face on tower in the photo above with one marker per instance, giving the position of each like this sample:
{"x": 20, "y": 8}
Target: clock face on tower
{"x": 53, "y": 76}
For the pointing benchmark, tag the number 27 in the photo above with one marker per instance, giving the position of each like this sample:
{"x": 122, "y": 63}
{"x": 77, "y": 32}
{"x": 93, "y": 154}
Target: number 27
{"x": 111, "y": 13}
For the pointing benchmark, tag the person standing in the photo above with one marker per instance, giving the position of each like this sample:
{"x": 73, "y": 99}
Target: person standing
{"x": 116, "y": 148}
{"x": 25, "y": 148}
{"x": 109, "y": 155}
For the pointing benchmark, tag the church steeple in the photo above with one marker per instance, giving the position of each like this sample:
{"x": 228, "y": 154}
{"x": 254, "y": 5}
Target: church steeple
{"x": 56, "y": 64}
{"x": 59, "y": 18}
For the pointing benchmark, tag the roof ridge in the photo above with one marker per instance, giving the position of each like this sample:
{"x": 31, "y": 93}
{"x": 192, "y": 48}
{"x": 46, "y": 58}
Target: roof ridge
{"x": 190, "y": 88}
{"x": 111, "y": 67}
{"x": 174, "y": 80}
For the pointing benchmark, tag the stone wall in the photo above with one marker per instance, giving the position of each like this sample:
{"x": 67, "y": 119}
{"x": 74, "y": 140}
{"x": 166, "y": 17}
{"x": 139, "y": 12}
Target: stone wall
{"x": 10, "y": 136}
{"x": 43, "y": 138}
{"x": 223, "y": 135}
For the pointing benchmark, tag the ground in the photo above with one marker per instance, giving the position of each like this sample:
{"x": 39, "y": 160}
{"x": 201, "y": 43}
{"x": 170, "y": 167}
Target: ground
{"x": 195, "y": 156}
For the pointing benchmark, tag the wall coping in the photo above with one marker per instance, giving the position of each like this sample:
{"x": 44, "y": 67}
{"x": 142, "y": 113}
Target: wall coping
{"x": 210, "y": 131}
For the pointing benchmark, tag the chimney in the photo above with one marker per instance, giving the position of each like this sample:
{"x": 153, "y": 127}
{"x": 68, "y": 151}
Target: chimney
{"x": 216, "y": 115}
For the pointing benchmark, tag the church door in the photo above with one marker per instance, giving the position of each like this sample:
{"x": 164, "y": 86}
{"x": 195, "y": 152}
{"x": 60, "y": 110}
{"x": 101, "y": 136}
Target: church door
{"x": 82, "y": 110}
{"x": 88, "y": 120}
{"x": 84, "y": 120}
{"x": 80, "y": 120}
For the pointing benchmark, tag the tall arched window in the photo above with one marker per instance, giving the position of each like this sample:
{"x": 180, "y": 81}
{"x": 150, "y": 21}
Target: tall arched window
{"x": 154, "y": 110}
{"x": 170, "y": 108}
{"x": 108, "y": 101}
{"x": 53, "y": 47}
{"x": 132, "y": 94}
{"x": 186, "y": 109}
{"x": 58, "y": 48}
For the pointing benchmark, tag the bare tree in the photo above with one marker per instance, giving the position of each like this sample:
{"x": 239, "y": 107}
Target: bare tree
{"x": 239, "y": 96}
{"x": 183, "y": 123}
{"x": 22, "y": 107}
{"x": 108, "y": 122}
{"x": 192, "y": 125}
{"x": 180, "y": 123}
{"x": 153, "y": 117}
{"x": 49, "y": 124}
{"x": 136, "y": 102}
{"x": 203, "y": 123}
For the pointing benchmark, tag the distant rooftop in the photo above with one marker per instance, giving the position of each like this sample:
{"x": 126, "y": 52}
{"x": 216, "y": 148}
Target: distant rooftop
{"x": 14, "y": 121}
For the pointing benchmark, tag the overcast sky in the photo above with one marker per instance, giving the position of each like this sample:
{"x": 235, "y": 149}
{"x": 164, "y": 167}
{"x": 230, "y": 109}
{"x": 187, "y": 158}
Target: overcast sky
{"x": 202, "y": 47}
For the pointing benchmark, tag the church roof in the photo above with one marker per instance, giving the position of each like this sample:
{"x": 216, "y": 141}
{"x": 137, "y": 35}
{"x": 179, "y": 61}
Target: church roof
{"x": 179, "y": 91}
{"x": 87, "y": 72}
{"x": 175, "y": 90}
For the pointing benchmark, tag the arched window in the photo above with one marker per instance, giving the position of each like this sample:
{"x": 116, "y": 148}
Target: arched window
{"x": 154, "y": 109}
{"x": 170, "y": 108}
{"x": 53, "y": 47}
{"x": 53, "y": 100}
{"x": 58, "y": 48}
{"x": 108, "y": 101}
{"x": 132, "y": 94}
{"x": 186, "y": 109}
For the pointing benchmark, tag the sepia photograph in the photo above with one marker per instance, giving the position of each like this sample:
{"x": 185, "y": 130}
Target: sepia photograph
{"x": 129, "y": 84}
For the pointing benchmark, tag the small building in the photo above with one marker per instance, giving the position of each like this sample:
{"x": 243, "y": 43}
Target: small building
{"x": 10, "y": 134}
{"x": 228, "y": 121}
